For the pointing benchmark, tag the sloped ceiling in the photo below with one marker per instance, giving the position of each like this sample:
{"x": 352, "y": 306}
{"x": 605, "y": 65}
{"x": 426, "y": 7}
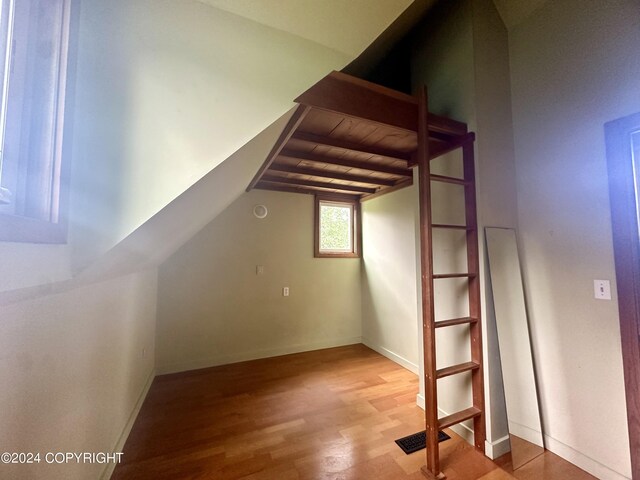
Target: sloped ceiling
{"x": 168, "y": 90}
{"x": 156, "y": 239}
{"x": 165, "y": 232}
{"x": 348, "y": 26}
{"x": 250, "y": 59}
{"x": 514, "y": 12}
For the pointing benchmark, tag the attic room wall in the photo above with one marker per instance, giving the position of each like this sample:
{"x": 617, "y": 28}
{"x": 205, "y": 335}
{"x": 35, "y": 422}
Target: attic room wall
{"x": 74, "y": 368}
{"x": 152, "y": 111}
{"x": 574, "y": 66}
{"x": 496, "y": 186}
{"x": 166, "y": 91}
{"x": 390, "y": 305}
{"x": 214, "y": 309}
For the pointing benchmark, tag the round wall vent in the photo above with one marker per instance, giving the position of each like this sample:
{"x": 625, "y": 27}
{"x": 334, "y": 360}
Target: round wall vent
{"x": 260, "y": 211}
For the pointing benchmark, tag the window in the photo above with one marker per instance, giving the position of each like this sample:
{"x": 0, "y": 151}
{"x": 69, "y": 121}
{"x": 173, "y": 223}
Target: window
{"x": 33, "y": 69}
{"x": 337, "y": 227}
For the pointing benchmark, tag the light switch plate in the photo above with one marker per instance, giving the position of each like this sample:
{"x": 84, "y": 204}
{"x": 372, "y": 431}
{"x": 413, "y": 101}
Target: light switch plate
{"x": 285, "y": 291}
{"x": 259, "y": 269}
{"x": 602, "y": 289}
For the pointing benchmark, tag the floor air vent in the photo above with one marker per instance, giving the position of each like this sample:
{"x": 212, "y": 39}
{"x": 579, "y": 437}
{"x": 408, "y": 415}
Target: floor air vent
{"x": 418, "y": 441}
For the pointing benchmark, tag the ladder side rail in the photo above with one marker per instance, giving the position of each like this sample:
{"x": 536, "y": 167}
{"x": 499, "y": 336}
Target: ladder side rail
{"x": 473, "y": 265}
{"x": 432, "y": 469}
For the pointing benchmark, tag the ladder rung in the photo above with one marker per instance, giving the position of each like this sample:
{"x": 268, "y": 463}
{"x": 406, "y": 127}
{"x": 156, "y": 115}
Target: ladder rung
{"x": 454, "y": 180}
{"x": 458, "y": 417}
{"x": 453, "y": 227}
{"x": 454, "y": 275}
{"x": 455, "y": 369}
{"x": 455, "y": 321}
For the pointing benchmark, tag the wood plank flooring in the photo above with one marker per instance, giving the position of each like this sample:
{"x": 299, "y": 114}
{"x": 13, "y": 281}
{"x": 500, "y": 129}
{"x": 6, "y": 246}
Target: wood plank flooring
{"x": 329, "y": 414}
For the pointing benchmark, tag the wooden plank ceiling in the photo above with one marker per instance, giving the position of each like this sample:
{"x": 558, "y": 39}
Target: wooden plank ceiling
{"x": 352, "y": 137}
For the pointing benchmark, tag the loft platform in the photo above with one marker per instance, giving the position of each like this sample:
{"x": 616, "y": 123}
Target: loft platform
{"x": 352, "y": 137}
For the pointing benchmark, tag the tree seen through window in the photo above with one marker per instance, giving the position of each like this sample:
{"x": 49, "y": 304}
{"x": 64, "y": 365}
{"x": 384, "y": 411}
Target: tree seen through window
{"x": 335, "y": 228}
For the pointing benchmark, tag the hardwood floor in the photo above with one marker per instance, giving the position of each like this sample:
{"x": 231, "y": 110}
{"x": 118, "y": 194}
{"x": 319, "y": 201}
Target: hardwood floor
{"x": 328, "y": 414}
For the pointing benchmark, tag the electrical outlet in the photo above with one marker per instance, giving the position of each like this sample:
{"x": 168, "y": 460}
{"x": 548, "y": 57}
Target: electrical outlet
{"x": 285, "y": 291}
{"x": 602, "y": 289}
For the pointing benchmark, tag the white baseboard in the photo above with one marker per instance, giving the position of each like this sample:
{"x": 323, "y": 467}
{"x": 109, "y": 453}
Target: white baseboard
{"x": 255, "y": 355}
{"x": 462, "y": 430}
{"x": 392, "y": 356}
{"x": 122, "y": 439}
{"x": 501, "y": 446}
{"x": 526, "y": 433}
{"x": 497, "y": 448}
{"x": 580, "y": 460}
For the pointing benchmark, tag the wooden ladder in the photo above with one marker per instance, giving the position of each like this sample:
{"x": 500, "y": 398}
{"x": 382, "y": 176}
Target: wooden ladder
{"x": 431, "y": 374}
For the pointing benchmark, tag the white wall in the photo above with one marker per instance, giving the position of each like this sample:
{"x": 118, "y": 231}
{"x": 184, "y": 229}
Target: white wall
{"x": 72, "y": 371}
{"x": 390, "y": 305}
{"x": 213, "y": 308}
{"x": 574, "y": 66}
{"x": 496, "y": 188}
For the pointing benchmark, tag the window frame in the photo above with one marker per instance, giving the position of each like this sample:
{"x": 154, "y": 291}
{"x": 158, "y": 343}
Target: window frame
{"x": 356, "y": 230}
{"x": 52, "y": 229}
{"x": 623, "y": 176}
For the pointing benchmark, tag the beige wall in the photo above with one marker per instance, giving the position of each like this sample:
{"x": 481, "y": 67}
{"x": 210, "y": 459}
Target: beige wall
{"x": 390, "y": 306}
{"x": 163, "y": 92}
{"x": 347, "y": 27}
{"x": 166, "y": 91}
{"x": 213, "y": 308}
{"x": 74, "y": 366}
{"x": 574, "y": 66}
{"x": 180, "y": 220}
{"x": 150, "y": 89}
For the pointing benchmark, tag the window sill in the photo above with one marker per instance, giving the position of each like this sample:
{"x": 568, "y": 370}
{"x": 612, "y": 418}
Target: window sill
{"x": 336, "y": 255}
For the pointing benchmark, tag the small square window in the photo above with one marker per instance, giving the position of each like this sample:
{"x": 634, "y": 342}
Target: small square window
{"x": 337, "y": 232}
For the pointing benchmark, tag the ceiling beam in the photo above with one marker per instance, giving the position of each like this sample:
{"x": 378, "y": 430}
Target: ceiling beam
{"x": 351, "y": 146}
{"x": 313, "y": 183}
{"x": 331, "y": 174}
{"x": 293, "y": 123}
{"x": 308, "y": 191}
{"x": 372, "y": 167}
{"x": 452, "y": 145}
{"x": 400, "y": 185}
{"x": 445, "y": 126}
